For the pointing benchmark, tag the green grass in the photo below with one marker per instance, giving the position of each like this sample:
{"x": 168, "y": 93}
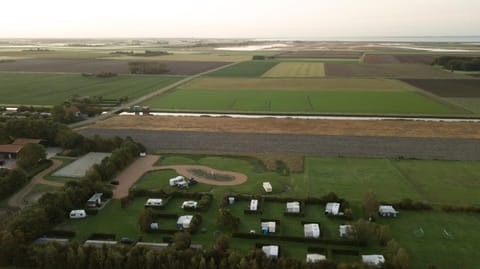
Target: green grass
{"x": 301, "y": 101}
{"x": 245, "y": 69}
{"x": 433, "y": 248}
{"x": 296, "y": 69}
{"x": 52, "y": 89}
{"x": 471, "y": 104}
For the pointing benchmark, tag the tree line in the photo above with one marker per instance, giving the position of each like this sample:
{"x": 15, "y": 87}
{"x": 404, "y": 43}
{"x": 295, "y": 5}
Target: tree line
{"x": 459, "y": 63}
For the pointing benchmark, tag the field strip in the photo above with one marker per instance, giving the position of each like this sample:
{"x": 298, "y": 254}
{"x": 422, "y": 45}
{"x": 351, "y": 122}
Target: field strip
{"x": 296, "y": 70}
{"x": 144, "y": 98}
{"x": 305, "y": 117}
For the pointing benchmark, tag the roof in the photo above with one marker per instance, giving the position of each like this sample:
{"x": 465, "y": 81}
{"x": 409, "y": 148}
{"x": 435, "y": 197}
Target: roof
{"x": 10, "y": 148}
{"x": 73, "y": 109}
{"x": 23, "y": 141}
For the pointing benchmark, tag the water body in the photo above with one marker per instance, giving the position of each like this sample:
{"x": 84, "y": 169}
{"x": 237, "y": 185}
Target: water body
{"x": 459, "y": 39}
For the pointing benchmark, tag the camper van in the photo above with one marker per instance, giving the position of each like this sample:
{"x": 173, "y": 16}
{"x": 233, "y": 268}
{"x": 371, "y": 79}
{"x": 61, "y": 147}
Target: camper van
{"x": 154, "y": 202}
{"x": 78, "y": 214}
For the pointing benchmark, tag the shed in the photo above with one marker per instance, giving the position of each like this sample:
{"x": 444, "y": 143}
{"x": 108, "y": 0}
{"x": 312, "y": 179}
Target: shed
{"x": 184, "y": 222}
{"x": 311, "y": 230}
{"x": 95, "y": 200}
{"x": 158, "y": 246}
{"x": 154, "y": 202}
{"x": 174, "y": 181}
{"x": 268, "y": 227}
{"x": 314, "y": 257}
{"x": 253, "y": 205}
{"x": 345, "y": 230}
{"x": 387, "y": 211}
{"x": 332, "y": 208}
{"x": 373, "y": 260}
{"x": 271, "y": 251}
{"x": 99, "y": 243}
{"x": 78, "y": 214}
{"x": 293, "y": 207}
{"x": 267, "y": 186}
{"x": 189, "y": 204}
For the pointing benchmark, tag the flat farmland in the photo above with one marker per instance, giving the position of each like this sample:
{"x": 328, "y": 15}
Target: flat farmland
{"x": 52, "y": 89}
{"x": 296, "y": 84}
{"x": 321, "y": 54}
{"x": 465, "y": 88}
{"x": 102, "y": 65}
{"x": 293, "y": 69}
{"x": 301, "y": 101}
{"x": 387, "y": 71}
{"x": 399, "y": 59}
{"x": 245, "y": 69}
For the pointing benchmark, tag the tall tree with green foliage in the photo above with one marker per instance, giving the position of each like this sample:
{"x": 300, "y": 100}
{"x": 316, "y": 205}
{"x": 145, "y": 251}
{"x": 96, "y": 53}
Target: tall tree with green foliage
{"x": 30, "y": 155}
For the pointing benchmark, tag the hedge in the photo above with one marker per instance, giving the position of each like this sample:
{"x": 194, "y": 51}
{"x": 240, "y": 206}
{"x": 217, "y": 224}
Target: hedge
{"x": 102, "y": 236}
{"x": 339, "y": 242}
{"x": 60, "y": 234}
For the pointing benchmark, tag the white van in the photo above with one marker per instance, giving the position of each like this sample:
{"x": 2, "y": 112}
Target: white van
{"x": 78, "y": 214}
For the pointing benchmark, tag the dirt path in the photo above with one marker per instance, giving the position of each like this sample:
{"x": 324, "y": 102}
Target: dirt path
{"x": 142, "y": 165}
{"x": 183, "y": 170}
{"x": 18, "y": 199}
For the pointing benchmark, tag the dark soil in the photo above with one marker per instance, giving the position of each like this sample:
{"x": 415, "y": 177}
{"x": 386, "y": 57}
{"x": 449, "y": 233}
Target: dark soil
{"x": 448, "y": 87}
{"x": 101, "y": 65}
{"x": 321, "y": 54}
{"x": 309, "y": 145}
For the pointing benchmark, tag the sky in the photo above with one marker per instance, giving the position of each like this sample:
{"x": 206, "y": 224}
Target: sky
{"x": 237, "y": 19}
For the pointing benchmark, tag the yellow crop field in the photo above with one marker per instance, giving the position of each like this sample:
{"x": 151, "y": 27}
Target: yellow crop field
{"x": 296, "y": 70}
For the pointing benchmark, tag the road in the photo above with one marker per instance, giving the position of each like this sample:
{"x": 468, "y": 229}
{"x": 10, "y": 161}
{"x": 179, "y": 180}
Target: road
{"x": 309, "y": 145}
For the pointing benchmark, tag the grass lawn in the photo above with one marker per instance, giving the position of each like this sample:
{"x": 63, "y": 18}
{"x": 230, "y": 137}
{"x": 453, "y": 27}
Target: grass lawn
{"x": 296, "y": 69}
{"x": 245, "y": 69}
{"x": 435, "y": 248}
{"x": 301, "y": 101}
{"x": 52, "y": 89}
{"x": 65, "y": 162}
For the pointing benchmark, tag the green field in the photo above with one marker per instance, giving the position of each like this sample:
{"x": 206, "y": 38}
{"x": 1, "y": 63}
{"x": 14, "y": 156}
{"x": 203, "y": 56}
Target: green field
{"x": 301, "y": 101}
{"x": 296, "y": 84}
{"x": 245, "y": 69}
{"x": 295, "y": 69}
{"x": 52, "y": 89}
{"x": 470, "y": 103}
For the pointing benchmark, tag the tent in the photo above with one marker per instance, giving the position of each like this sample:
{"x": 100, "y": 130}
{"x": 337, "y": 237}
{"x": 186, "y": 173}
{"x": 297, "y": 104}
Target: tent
{"x": 293, "y": 207}
{"x": 311, "y": 230}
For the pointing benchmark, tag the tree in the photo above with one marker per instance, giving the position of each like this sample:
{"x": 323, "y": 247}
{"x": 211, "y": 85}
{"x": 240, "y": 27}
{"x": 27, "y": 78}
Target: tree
{"x": 58, "y": 113}
{"x": 370, "y": 204}
{"x": 384, "y": 235}
{"x": 221, "y": 245}
{"x": 30, "y": 155}
{"x": 182, "y": 240}
{"x": 363, "y": 230}
{"x": 145, "y": 219}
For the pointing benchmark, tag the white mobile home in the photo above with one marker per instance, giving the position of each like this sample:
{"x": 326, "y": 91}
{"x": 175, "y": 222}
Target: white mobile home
{"x": 154, "y": 202}
{"x": 184, "y": 222}
{"x": 345, "y": 230}
{"x": 268, "y": 227}
{"x": 314, "y": 257}
{"x": 271, "y": 251}
{"x": 78, "y": 214}
{"x": 293, "y": 207}
{"x": 174, "y": 181}
{"x": 253, "y": 205}
{"x": 373, "y": 260}
{"x": 189, "y": 204}
{"x": 387, "y": 211}
{"x": 311, "y": 230}
{"x": 95, "y": 200}
{"x": 332, "y": 209}
{"x": 267, "y": 186}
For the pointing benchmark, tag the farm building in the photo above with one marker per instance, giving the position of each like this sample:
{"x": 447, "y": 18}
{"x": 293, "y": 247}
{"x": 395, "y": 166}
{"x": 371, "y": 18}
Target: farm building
{"x": 387, "y": 211}
{"x": 176, "y": 180}
{"x": 332, "y": 209}
{"x": 9, "y": 151}
{"x": 157, "y": 246}
{"x": 271, "y": 251}
{"x": 189, "y": 204}
{"x": 99, "y": 243}
{"x": 46, "y": 240}
{"x": 373, "y": 260}
{"x": 184, "y": 222}
{"x": 311, "y": 230}
{"x": 314, "y": 257}
{"x": 267, "y": 186}
{"x": 293, "y": 207}
{"x": 154, "y": 202}
{"x": 268, "y": 227}
{"x": 78, "y": 214}
{"x": 95, "y": 200}
{"x": 253, "y": 205}
{"x": 345, "y": 230}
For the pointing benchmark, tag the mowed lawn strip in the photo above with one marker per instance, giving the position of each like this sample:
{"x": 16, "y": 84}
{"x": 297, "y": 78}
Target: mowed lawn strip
{"x": 245, "y": 69}
{"x": 296, "y": 84}
{"x": 295, "y": 69}
{"x": 301, "y": 101}
{"x": 52, "y": 89}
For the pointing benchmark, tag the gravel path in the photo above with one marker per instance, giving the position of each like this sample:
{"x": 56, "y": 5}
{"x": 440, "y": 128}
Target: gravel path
{"x": 309, "y": 145}
{"x": 183, "y": 170}
{"x": 18, "y": 199}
